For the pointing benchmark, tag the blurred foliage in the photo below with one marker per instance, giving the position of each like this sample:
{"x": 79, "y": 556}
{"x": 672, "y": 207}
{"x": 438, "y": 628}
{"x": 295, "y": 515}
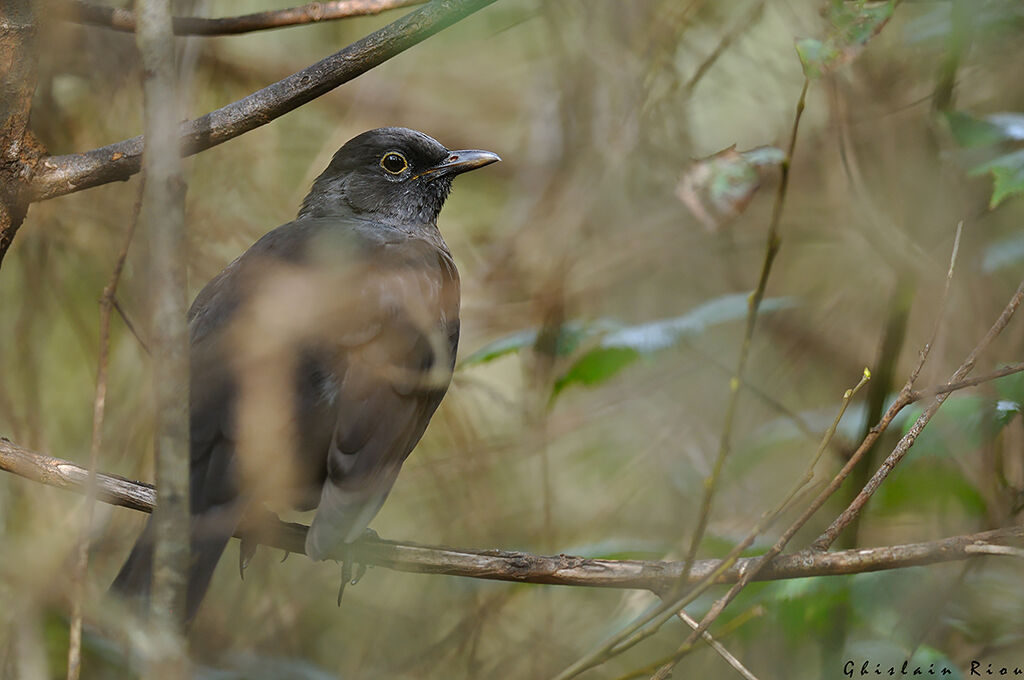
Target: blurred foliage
{"x": 577, "y": 259}
{"x": 850, "y": 26}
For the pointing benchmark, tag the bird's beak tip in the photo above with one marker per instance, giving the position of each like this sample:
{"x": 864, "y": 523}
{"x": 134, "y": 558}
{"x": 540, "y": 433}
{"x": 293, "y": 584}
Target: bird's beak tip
{"x": 468, "y": 159}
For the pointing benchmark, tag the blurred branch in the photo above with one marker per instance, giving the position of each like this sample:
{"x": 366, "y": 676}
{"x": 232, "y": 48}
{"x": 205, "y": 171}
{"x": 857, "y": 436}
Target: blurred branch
{"x": 907, "y": 441}
{"x": 520, "y": 567}
{"x": 163, "y": 215}
{"x": 674, "y": 600}
{"x": 98, "y": 411}
{"x": 901, "y": 402}
{"x": 771, "y": 250}
{"x": 917, "y": 395}
{"x": 120, "y": 19}
{"x": 745, "y": 23}
{"x": 60, "y": 175}
{"x": 829, "y": 536}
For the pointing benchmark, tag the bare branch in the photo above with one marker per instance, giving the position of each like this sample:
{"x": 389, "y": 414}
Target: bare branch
{"x": 829, "y": 536}
{"x": 98, "y": 411}
{"x": 120, "y": 19}
{"x": 500, "y": 565}
{"x": 907, "y": 441}
{"x": 60, "y": 175}
{"x": 772, "y": 245}
{"x": 19, "y": 149}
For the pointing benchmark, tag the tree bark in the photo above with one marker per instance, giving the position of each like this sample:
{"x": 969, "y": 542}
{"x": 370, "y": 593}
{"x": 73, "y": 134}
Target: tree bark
{"x": 19, "y": 149}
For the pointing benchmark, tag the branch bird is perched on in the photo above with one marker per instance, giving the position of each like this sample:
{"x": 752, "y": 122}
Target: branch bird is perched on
{"x": 320, "y": 354}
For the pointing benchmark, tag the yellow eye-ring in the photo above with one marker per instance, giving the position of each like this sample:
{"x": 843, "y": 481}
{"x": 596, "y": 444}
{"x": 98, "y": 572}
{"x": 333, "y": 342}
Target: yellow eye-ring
{"x": 394, "y": 163}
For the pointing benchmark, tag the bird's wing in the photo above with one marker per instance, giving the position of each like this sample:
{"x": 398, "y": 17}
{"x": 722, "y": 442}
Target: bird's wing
{"x": 388, "y": 388}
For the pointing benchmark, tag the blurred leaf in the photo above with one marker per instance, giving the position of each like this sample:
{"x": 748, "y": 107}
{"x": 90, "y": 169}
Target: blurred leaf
{"x": 596, "y": 366}
{"x": 917, "y": 486}
{"x": 1003, "y": 253}
{"x": 970, "y": 131}
{"x": 1011, "y": 390}
{"x": 964, "y": 423}
{"x": 986, "y": 17}
{"x": 851, "y": 26}
{"x": 622, "y": 347}
{"x": 926, "y": 657}
{"x": 719, "y": 187}
{"x": 502, "y": 346}
{"x": 1008, "y": 173}
{"x": 1006, "y": 411}
{"x": 807, "y": 606}
{"x": 1010, "y": 387}
{"x": 571, "y": 335}
{"x": 1010, "y": 124}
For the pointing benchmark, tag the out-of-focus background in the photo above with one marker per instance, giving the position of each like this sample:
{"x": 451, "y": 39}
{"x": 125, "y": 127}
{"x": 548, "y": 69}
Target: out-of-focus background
{"x": 574, "y": 443}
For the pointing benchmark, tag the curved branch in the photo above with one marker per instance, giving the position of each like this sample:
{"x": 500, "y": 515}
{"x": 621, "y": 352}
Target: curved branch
{"x": 501, "y": 565}
{"x": 60, "y": 175}
{"x": 119, "y": 19}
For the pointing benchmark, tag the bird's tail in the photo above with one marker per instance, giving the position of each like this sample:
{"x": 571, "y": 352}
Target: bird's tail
{"x": 209, "y": 536}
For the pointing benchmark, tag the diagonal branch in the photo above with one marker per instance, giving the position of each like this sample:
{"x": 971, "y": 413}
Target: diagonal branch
{"x": 119, "y": 19}
{"x": 500, "y": 565}
{"x": 60, "y": 175}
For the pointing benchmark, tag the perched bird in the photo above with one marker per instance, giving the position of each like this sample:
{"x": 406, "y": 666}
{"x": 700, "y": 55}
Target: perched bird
{"x": 320, "y": 354}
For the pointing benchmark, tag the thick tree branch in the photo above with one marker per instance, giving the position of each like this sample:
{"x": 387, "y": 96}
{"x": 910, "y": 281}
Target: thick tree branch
{"x": 19, "y": 149}
{"x": 120, "y": 19}
{"x": 520, "y": 567}
{"x": 60, "y": 175}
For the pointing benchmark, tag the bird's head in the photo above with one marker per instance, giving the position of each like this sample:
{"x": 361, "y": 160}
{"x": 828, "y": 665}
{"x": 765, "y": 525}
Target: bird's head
{"x": 390, "y": 173}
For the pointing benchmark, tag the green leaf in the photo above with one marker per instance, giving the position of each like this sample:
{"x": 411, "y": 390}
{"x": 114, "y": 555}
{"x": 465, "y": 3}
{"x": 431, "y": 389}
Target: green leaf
{"x": 1003, "y": 253}
{"x": 806, "y": 606}
{"x": 925, "y": 485}
{"x": 499, "y": 348}
{"x": 1008, "y": 173}
{"x": 719, "y": 187}
{"x": 619, "y": 348}
{"x": 964, "y": 423}
{"x": 850, "y": 26}
{"x": 596, "y": 366}
{"x": 970, "y": 131}
{"x": 657, "y": 335}
{"x": 571, "y": 335}
{"x": 1010, "y": 387}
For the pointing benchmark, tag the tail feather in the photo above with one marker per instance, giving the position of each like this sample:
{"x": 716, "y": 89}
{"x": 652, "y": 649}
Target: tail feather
{"x": 210, "y": 534}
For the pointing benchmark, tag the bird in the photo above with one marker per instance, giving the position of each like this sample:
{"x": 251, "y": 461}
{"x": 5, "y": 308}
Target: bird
{"x": 319, "y": 355}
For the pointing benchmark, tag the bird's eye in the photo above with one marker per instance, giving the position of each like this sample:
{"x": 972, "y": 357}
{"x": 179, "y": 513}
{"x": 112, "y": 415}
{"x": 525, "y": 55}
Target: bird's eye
{"x": 394, "y": 163}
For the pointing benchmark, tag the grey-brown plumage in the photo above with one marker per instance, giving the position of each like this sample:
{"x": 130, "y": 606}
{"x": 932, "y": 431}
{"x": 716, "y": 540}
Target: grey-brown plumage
{"x": 319, "y": 355}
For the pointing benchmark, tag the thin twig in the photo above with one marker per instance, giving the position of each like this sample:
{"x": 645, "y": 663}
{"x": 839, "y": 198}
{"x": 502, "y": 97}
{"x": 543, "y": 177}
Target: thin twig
{"x": 717, "y": 646}
{"x": 60, "y": 175}
{"x": 656, "y": 667}
{"x": 917, "y": 395}
{"x": 808, "y": 475}
{"x": 131, "y": 326}
{"x": 754, "y": 304}
{"x": 904, "y": 445}
{"x": 520, "y": 567}
{"x": 907, "y": 441}
{"x": 649, "y": 624}
{"x": 98, "y": 410}
{"x": 119, "y": 19}
{"x": 742, "y": 25}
